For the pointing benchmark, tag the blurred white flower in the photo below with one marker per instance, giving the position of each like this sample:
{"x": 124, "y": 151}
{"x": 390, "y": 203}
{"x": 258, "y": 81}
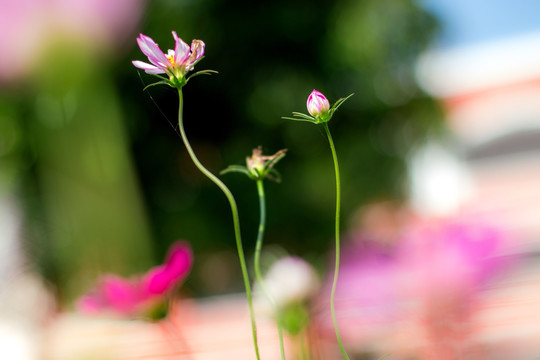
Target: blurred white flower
{"x": 290, "y": 280}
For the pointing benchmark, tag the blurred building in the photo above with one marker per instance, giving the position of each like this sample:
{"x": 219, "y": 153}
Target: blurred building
{"x": 486, "y": 72}
{"x": 490, "y": 165}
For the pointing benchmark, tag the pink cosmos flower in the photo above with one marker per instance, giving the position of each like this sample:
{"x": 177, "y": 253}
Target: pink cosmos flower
{"x": 129, "y": 297}
{"x": 176, "y": 63}
{"x": 317, "y": 104}
{"x": 429, "y": 281}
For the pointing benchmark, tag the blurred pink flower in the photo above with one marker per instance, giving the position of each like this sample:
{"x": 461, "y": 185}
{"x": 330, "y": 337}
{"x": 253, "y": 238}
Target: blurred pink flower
{"x": 136, "y": 296}
{"x": 444, "y": 266}
{"x": 21, "y": 35}
{"x": 28, "y": 27}
{"x": 450, "y": 257}
{"x": 176, "y": 63}
{"x": 102, "y": 22}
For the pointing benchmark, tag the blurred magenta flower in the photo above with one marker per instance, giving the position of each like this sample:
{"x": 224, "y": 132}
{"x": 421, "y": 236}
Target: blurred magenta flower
{"x": 429, "y": 280}
{"x": 176, "y": 63}
{"x": 317, "y": 104}
{"x": 128, "y": 297}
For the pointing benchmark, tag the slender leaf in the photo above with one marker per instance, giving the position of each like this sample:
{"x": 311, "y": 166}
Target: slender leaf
{"x": 300, "y": 119}
{"x": 163, "y": 82}
{"x": 236, "y": 168}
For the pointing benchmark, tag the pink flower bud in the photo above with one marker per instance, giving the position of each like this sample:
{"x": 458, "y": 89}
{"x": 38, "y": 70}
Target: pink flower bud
{"x": 317, "y": 104}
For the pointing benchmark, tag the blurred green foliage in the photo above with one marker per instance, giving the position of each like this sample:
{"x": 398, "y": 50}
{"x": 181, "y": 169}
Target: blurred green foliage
{"x": 74, "y": 173}
{"x": 269, "y": 55}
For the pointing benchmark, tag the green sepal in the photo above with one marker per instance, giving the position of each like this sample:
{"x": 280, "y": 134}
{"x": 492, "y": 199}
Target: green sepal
{"x": 278, "y": 156}
{"x": 238, "y": 169}
{"x": 301, "y": 117}
{"x": 196, "y": 62}
{"x": 274, "y": 175}
{"x": 178, "y": 83}
{"x": 293, "y": 318}
{"x": 337, "y": 104}
{"x": 157, "y": 311}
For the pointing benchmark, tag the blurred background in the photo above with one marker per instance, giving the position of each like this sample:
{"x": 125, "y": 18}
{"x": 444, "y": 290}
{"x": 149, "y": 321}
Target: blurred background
{"x": 444, "y": 124}
{"x": 96, "y": 163}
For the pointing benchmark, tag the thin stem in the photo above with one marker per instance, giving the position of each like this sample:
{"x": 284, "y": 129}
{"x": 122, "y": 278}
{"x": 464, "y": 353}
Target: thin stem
{"x": 303, "y": 345}
{"x": 336, "y": 269}
{"x": 165, "y": 326}
{"x": 236, "y": 222}
{"x": 257, "y": 261}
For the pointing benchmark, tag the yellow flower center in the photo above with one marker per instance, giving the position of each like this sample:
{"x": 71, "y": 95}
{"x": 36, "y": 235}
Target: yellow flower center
{"x": 170, "y": 57}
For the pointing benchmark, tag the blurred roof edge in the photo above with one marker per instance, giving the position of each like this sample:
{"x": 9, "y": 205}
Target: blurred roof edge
{"x": 446, "y": 73}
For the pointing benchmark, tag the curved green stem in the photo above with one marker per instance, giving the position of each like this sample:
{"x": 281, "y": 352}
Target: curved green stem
{"x": 257, "y": 261}
{"x": 336, "y": 269}
{"x": 234, "y": 210}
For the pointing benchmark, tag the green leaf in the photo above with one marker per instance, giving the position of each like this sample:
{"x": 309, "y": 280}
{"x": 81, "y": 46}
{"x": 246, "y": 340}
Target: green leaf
{"x": 159, "y": 76}
{"x": 202, "y": 72}
{"x": 163, "y": 82}
{"x": 300, "y": 119}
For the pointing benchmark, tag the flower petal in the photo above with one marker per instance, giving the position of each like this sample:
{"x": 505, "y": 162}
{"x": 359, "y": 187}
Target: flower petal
{"x": 179, "y": 259}
{"x": 148, "y": 68}
{"x": 162, "y": 278}
{"x": 158, "y": 280}
{"x": 122, "y": 295}
{"x": 317, "y": 103}
{"x": 151, "y": 49}
{"x": 91, "y": 304}
{"x": 197, "y": 51}
{"x": 181, "y": 49}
